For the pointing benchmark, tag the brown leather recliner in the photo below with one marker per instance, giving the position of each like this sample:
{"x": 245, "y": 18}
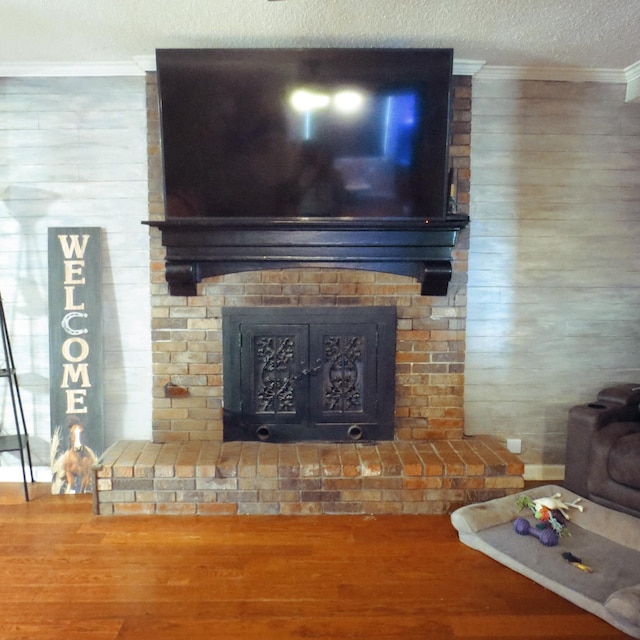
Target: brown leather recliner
{"x": 602, "y": 459}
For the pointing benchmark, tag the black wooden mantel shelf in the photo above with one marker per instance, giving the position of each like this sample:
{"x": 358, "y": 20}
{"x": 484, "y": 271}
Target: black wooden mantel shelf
{"x": 199, "y": 248}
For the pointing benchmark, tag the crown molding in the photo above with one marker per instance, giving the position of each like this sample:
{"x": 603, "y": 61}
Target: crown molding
{"x": 145, "y": 63}
{"x": 140, "y": 65}
{"x": 68, "y": 69}
{"x": 553, "y": 74}
{"x": 632, "y": 74}
{"x": 467, "y": 67}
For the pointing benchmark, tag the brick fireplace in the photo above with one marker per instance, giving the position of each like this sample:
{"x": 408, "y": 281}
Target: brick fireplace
{"x": 428, "y": 467}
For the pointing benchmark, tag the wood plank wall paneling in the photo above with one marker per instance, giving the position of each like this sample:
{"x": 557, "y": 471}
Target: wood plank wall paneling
{"x": 73, "y": 153}
{"x": 554, "y": 265}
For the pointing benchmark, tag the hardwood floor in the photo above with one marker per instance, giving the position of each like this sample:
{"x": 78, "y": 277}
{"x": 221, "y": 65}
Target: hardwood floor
{"x": 67, "y": 574}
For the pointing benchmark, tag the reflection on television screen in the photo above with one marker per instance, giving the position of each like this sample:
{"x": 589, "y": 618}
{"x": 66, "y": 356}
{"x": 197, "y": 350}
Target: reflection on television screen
{"x": 305, "y": 133}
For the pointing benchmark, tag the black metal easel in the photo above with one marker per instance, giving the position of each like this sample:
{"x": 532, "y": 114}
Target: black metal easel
{"x": 20, "y": 441}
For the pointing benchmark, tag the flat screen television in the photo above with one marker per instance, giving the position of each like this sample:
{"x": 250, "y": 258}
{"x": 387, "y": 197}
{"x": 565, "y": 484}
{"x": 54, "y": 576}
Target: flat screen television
{"x": 305, "y": 133}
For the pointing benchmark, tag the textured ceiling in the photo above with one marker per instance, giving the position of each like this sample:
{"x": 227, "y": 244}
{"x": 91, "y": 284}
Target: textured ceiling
{"x": 589, "y": 34}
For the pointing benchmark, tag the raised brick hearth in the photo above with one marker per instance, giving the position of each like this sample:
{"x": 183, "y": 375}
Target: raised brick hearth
{"x": 211, "y": 478}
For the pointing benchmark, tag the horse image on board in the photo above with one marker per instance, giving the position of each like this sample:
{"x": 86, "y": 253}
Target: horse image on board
{"x": 71, "y": 466}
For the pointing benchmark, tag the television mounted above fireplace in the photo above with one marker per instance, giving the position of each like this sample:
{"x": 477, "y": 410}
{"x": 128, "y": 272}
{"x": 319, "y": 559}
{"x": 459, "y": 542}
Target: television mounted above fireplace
{"x": 333, "y": 157}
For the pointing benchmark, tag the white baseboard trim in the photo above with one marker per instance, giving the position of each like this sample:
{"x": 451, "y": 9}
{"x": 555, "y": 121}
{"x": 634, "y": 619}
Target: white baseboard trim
{"x": 543, "y": 472}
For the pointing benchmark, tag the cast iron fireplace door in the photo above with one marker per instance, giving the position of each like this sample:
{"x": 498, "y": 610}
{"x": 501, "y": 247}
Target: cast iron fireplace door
{"x": 294, "y": 374}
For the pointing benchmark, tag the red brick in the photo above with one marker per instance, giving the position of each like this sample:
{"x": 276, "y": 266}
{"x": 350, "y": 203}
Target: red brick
{"x": 227, "y": 465}
{"x": 411, "y": 462}
{"x": 453, "y": 464}
{"x": 288, "y": 463}
{"x": 330, "y": 460}
{"x": 349, "y": 460}
{"x": 392, "y": 464}
{"x": 248, "y": 465}
{"x": 433, "y": 465}
{"x": 217, "y": 509}
{"x": 473, "y": 463}
{"x": 369, "y": 460}
{"x": 309, "y": 460}
{"x": 268, "y": 461}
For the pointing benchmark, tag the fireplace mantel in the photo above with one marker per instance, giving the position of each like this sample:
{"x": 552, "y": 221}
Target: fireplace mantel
{"x": 198, "y": 248}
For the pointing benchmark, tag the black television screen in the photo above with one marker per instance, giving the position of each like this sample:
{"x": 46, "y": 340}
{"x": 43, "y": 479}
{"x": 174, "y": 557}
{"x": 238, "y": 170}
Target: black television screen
{"x": 349, "y": 133}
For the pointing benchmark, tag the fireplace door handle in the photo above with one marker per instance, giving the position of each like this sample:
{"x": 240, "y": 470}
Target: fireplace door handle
{"x": 309, "y": 372}
{"x": 314, "y": 370}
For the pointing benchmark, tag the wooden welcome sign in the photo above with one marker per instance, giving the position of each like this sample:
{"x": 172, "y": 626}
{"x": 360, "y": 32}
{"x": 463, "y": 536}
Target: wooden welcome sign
{"x": 75, "y": 356}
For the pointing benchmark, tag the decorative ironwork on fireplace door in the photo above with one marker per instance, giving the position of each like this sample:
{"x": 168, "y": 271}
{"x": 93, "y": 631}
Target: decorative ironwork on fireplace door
{"x": 295, "y": 374}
